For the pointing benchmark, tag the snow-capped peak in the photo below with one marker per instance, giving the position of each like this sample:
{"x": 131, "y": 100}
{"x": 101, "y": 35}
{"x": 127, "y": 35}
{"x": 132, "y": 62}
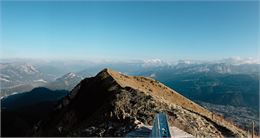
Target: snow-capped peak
{"x": 69, "y": 75}
{"x": 41, "y": 80}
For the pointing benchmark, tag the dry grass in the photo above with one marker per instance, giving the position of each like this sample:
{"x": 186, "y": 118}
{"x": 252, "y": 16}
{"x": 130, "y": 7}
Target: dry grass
{"x": 164, "y": 93}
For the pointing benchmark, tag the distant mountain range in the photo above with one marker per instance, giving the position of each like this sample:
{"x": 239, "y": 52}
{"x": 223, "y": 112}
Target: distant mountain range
{"x": 22, "y": 77}
{"x": 215, "y": 83}
{"x": 237, "y": 84}
{"x": 198, "y": 81}
{"x": 17, "y": 74}
{"x": 66, "y": 82}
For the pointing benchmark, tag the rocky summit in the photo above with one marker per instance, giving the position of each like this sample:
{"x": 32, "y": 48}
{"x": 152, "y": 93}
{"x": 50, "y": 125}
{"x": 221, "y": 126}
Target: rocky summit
{"x": 114, "y": 104}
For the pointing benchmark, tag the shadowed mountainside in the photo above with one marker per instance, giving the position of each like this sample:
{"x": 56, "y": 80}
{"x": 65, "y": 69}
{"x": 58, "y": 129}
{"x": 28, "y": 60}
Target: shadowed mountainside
{"x": 20, "y": 112}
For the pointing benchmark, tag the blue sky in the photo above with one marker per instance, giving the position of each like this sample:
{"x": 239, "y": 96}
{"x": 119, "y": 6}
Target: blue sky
{"x": 129, "y": 30}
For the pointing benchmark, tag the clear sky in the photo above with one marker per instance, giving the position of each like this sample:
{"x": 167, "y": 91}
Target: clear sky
{"x": 129, "y": 30}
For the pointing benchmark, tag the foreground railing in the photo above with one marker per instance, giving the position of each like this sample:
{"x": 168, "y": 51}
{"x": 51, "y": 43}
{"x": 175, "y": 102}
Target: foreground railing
{"x": 160, "y": 126}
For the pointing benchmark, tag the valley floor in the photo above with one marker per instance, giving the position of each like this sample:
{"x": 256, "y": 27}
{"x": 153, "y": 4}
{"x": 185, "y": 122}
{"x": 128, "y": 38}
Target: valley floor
{"x": 241, "y": 116}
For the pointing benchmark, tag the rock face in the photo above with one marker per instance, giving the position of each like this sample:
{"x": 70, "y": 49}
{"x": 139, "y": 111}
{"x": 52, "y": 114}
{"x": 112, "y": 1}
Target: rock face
{"x": 113, "y": 104}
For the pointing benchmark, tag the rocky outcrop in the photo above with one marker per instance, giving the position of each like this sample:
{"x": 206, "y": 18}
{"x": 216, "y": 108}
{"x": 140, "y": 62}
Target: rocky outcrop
{"x": 113, "y": 104}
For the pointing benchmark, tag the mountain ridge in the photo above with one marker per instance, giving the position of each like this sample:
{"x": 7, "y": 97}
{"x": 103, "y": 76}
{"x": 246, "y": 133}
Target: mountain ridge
{"x": 178, "y": 98}
{"x": 113, "y": 104}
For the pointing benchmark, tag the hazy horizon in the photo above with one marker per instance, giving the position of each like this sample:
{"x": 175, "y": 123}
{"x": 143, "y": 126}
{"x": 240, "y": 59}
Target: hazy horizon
{"x": 169, "y": 31}
{"x": 229, "y": 60}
